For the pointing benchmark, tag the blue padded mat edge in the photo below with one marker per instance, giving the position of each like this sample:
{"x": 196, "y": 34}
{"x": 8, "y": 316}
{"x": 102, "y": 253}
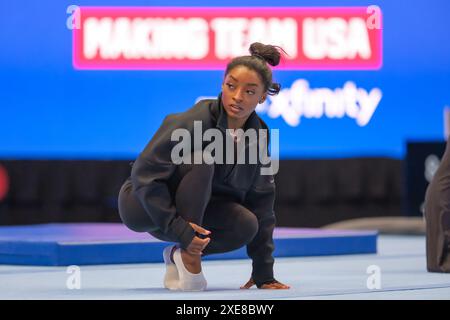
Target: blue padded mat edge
{"x": 106, "y": 243}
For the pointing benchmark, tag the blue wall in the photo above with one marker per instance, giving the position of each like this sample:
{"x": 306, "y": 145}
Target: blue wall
{"x": 50, "y": 110}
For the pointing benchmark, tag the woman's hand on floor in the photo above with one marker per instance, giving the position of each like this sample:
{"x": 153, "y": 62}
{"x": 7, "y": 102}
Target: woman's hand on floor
{"x": 273, "y": 285}
{"x": 197, "y": 244}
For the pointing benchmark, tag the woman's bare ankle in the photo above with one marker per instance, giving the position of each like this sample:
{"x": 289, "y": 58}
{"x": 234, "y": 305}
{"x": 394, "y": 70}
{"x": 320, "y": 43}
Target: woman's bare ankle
{"x": 191, "y": 262}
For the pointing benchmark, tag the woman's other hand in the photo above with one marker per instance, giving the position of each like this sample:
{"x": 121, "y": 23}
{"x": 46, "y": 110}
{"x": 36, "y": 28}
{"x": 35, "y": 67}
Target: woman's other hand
{"x": 272, "y": 285}
{"x": 197, "y": 244}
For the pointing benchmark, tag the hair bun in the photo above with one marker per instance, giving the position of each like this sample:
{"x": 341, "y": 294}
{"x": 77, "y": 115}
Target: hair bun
{"x": 268, "y": 53}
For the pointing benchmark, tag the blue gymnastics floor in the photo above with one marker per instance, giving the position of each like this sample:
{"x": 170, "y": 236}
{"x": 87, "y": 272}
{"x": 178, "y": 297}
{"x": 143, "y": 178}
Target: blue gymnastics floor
{"x": 400, "y": 259}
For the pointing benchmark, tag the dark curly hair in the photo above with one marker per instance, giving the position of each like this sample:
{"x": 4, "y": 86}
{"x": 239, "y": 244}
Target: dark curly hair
{"x": 260, "y": 56}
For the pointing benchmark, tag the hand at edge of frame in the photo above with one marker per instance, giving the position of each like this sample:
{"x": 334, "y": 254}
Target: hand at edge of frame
{"x": 272, "y": 285}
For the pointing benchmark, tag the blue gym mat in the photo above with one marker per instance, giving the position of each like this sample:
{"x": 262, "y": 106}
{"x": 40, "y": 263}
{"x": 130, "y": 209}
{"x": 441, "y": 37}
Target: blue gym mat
{"x": 113, "y": 243}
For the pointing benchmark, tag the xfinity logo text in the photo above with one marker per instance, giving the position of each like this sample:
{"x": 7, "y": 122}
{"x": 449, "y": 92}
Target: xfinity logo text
{"x": 302, "y": 101}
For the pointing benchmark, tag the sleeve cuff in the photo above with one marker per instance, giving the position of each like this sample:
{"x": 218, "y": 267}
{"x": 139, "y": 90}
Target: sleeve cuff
{"x": 182, "y": 231}
{"x": 263, "y": 274}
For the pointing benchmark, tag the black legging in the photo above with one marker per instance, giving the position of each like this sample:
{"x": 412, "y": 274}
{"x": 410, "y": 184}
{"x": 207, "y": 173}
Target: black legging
{"x": 231, "y": 224}
{"x": 437, "y": 217}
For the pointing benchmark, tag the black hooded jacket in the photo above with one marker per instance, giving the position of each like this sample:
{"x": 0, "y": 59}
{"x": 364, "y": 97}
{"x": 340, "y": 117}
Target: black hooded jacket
{"x": 154, "y": 168}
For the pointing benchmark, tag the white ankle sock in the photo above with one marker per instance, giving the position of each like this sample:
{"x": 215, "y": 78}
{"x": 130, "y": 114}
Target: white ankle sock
{"x": 188, "y": 281}
{"x": 171, "y": 278}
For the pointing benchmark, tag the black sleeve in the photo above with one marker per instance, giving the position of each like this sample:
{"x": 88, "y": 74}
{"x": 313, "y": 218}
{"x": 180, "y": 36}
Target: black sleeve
{"x": 149, "y": 177}
{"x": 260, "y": 200}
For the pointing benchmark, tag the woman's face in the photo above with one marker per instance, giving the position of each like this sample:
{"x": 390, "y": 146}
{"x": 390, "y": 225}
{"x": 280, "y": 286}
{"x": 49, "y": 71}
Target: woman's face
{"x": 242, "y": 90}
